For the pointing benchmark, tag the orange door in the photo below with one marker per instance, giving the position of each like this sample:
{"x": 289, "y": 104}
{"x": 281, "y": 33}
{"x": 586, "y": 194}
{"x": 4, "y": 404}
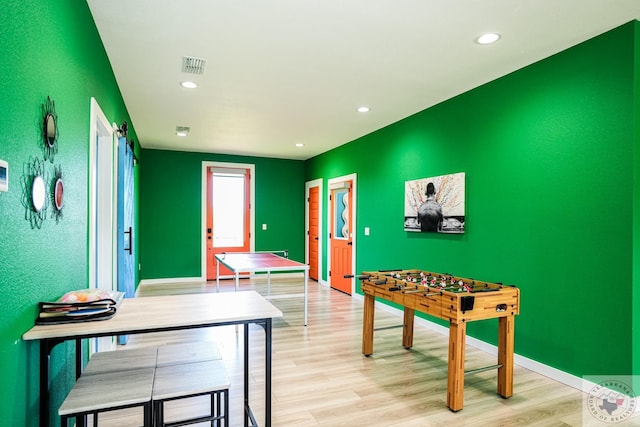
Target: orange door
{"x": 227, "y": 214}
{"x": 314, "y": 238}
{"x": 341, "y": 237}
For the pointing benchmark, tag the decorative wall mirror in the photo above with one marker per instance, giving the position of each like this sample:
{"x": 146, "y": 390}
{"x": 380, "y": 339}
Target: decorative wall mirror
{"x": 49, "y": 129}
{"x": 38, "y": 193}
{"x": 34, "y": 192}
{"x": 57, "y": 193}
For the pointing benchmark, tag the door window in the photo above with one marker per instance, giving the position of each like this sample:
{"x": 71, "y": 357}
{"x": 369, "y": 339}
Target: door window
{"x": 228, "y": 209}
{"x": 341, "y": 214}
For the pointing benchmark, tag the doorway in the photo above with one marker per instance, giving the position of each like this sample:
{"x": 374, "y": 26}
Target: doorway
{"x": 342, "y": 225}
{"x": 102, "y": 247}
{"x": 228, "y": 217}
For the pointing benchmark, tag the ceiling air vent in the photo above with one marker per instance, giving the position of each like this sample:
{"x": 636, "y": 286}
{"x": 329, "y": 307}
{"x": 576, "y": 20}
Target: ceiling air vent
{"x": 193, "y": 65}
{"x": 182, "y": 130}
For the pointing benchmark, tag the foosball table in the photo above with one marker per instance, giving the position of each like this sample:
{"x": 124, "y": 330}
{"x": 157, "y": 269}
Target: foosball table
{"x": 455, "y": 299}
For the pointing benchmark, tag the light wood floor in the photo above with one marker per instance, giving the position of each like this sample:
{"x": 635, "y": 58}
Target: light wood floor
{"x": 321, "y": 378}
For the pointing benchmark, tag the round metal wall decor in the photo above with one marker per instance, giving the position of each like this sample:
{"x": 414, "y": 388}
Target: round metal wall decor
{"x": 49, "y": 129}
{"x": 34, "y": 192}
{"x": 57, "y": 193}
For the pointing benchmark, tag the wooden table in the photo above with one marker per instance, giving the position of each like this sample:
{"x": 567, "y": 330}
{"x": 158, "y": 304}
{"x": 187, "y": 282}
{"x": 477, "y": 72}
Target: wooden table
{"x": 166, "y": 313}
{"x": 455, "y": 299}
{"x": 261, "y": 262}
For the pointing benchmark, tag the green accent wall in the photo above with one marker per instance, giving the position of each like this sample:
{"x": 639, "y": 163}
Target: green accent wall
{"x": 47, "y": 48}
{"x": 551, "y": 203}
{"x": 635, "y": 301}
{"x": 171, "y": 209}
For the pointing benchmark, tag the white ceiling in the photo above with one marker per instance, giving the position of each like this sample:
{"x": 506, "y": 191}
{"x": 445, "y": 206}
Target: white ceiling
{"x": 281, "y": 72}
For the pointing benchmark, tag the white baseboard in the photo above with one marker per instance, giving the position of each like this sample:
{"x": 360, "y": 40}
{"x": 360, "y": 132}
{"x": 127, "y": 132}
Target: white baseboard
{"x": 202, "y": 279}
{"x": 172, "y": 280}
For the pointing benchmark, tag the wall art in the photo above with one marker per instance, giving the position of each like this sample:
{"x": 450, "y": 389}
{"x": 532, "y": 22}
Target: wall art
{"x": 34, "y": 192}
{"x": 56, "y": 193}
{"x": 49, "y": 129}
{"x": 435, "y": 204}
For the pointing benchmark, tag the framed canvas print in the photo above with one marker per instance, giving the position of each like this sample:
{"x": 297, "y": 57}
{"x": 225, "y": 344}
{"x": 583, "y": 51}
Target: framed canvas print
{"x": 435, "y": 204}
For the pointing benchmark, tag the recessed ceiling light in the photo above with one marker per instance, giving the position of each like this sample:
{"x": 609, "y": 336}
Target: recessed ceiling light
{"x": 363, "y": 109}
{"x": 182, "y": 133}
{"x": 488, "y": 38}
{"x": 189, "y": 85}
{"x": 299, "y": 145}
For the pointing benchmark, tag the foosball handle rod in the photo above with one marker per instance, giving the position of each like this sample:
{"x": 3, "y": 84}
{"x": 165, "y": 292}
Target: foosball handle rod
{"x": 359, "y": 276}
{"x": 364, "y": 277}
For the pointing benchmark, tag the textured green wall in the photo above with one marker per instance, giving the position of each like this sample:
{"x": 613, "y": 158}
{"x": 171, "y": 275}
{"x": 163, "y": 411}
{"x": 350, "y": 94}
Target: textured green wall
{"x": 635, "y": 302}
{"x": 51, "y": 49}
{"x": 170, "y": 209}
{"x": 548, "y": 154}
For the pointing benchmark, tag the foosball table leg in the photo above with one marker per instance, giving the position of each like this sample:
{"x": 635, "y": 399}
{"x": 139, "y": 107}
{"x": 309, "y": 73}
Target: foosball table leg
{"x": 455, "y": 384}
{"x": 505, "y": 355}
{"x": 367, "y": 325}
{"x": 407, "y": 328}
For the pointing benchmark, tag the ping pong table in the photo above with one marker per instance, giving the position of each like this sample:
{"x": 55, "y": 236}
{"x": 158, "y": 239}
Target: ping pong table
{"x": 261, "y": 262}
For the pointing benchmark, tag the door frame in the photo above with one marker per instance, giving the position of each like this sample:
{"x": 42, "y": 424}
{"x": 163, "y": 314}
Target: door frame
{"x": 252, "y": 211}
{"x": 332, "y": 183}
{"x": 308, "y": 185}
{"x": 102, "y": 225}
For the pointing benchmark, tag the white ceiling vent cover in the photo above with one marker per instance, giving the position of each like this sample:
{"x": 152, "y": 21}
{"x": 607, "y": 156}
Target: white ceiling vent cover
{"x": 193, "y": 65}
{"x": 185, "y": 129}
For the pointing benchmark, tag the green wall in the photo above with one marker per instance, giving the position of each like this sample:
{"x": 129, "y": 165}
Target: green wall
{"x": 170, "y": 209}
{"x": 47, "y": 48}
{"x": 548, "y": 153}
{"x": 635, "y": 301}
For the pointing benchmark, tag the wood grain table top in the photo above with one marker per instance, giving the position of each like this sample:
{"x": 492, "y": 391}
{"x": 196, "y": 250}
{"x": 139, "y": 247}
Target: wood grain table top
{"x": 137, "y": 315}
